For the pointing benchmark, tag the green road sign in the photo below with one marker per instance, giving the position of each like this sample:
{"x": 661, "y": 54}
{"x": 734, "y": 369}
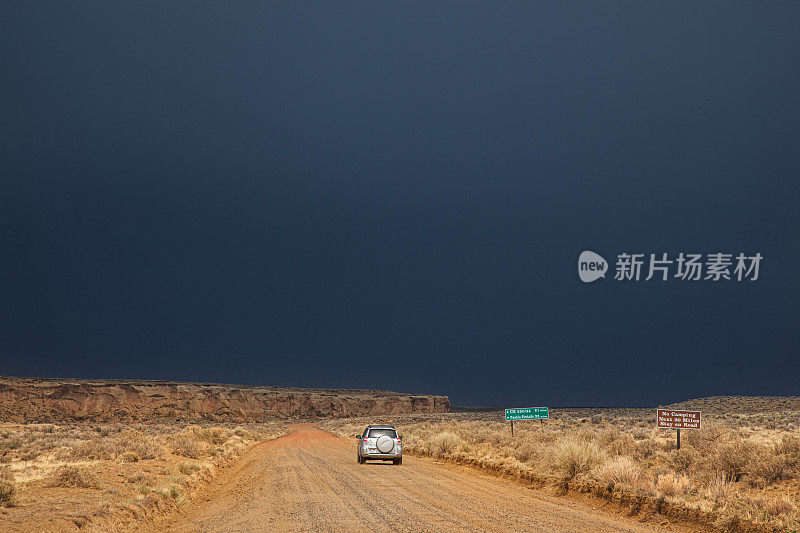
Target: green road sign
{"x": 527, "y": 413}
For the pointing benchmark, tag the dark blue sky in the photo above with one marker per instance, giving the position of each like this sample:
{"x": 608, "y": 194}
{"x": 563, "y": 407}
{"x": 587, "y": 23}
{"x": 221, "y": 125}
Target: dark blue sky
{"x": 395, "y": 196}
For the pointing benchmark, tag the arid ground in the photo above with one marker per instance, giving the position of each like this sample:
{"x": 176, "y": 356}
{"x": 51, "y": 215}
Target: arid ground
{"x": 309, "y": 481}
{"x": 62, "y": 477}
{"x": 740, "y": 472}
{"x": 582, "y": 470}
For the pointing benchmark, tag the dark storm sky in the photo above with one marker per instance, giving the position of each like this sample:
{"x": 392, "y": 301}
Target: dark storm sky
{"x": 395, "y": 195}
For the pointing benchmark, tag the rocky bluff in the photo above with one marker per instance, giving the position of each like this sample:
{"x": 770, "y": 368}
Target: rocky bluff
{"x": 50, "y": 400}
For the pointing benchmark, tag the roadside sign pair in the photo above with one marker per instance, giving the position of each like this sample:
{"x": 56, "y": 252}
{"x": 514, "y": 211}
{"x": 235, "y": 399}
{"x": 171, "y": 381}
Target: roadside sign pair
{"x": 665, "y": 418}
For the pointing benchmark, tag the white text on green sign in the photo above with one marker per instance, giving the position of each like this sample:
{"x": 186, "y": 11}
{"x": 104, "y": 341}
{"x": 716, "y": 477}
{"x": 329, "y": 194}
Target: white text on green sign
{"x": 527, "y": 413}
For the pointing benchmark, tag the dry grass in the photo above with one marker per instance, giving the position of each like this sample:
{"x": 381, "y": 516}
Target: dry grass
{"x": 71, "y": 476}
{"x": 444, "y": 443}
{"x": 8, "y": 488}
{"x": 187, "y": 445}
{"x": 743, "y": 466}
{"x": 187, "y": 469}
{"x": 673, "y": 485}
{"x": 621, "y": 471}
{"x": 575, "y": 456}
{"x": 111, "y": 474}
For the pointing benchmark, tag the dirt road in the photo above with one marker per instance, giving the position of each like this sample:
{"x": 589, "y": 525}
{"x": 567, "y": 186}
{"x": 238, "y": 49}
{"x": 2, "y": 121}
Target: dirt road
{"x": 310, "y": 481}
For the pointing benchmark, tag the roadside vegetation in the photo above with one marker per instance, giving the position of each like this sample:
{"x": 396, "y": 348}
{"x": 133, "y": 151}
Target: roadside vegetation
{"x": 111, "y": 474}
{"x": 743, "y": 468}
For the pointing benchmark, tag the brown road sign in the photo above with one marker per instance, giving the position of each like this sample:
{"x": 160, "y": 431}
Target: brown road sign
{"x": 675, "y": 419}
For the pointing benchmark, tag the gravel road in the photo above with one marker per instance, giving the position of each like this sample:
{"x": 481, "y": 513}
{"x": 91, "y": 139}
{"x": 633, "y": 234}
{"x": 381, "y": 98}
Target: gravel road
{"x": 310, "y": 481}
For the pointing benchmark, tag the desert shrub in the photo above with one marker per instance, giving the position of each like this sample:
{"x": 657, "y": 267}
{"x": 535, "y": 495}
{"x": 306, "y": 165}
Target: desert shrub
{"x": 779, "y": 506}
{"x": 50, "y": 442}
{"x": 616, "y": 442}
{"x": 187, "y": 468}
{"x": 574, "y": 456}
{"x": 480, "y": 435}
{"x": 92, "y": 449}
{"x": 705, "y": 439}
{"x": 10, "y": 443}
{"x": 210, "y": 435}
{"x": 732, "y": 459}
{"x": 767, "y": 467}
{"x": 673, "y": 484}
{"x": 29, "y": 455}
{"x": 187, "y": 446}
{"x": 136, "y": 477}
{"x": 620, "y": 470}
{"x": 70, "y": 476}
{"x": 526, "y": 451}
{"x": 444, "y": 443}
{"x": 718, "y": 488}
{"x": 142, "y": 445}
{"x": 546, "y": 438}
{"x": 683, "y": 460}
{"x": 644, "y": 449}
{"x": 129, "y": 457}
{"x": 789, "y": 447}
{"x": 492, "y": 435}
{"x": 8, "y": 488}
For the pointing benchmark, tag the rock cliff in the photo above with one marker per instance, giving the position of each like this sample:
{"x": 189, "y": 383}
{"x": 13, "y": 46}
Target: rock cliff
{"x": 49, "y": 400}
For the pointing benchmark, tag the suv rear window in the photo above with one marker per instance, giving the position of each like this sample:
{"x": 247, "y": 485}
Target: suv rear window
{"x": 375, "y": 433}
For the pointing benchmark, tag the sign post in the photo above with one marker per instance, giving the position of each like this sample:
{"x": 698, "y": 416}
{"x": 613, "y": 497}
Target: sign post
{"x": 526, "y": 413}
{"x": 678, "y": 420}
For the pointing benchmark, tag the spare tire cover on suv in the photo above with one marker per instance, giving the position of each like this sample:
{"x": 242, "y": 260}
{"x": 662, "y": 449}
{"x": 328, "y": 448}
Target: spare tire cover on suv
{"x": 384, "y": 444}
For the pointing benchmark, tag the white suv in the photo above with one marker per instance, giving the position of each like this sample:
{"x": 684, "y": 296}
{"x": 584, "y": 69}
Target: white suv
{"x": 380, "y": 442}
